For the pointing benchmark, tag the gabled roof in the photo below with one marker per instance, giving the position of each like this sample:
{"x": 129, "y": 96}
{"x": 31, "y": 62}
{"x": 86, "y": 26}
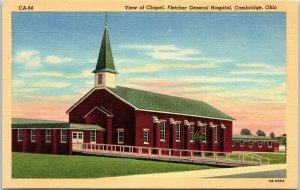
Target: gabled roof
{"x": 105, "y": 61}
{"x": 23, "y": 123}
{"x": 150, "y": 101}
{"x": 251, "y": 137}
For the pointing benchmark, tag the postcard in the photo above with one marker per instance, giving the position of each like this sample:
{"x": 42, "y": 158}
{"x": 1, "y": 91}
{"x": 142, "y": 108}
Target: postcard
{"x": 150, "y": 94}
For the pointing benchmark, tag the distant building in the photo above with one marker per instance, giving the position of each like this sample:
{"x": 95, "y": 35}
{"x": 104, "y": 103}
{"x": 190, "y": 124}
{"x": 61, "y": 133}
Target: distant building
{"x": 254, "y": 143}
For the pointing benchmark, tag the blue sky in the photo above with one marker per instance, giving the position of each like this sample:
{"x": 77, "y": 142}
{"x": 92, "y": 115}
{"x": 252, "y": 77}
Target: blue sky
{"x": 216, "y": 57}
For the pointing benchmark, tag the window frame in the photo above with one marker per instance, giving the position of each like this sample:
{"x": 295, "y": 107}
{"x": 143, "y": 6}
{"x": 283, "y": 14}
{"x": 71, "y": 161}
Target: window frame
{"x": 192, "y": 132}
{"x": 216, "y": 134}
{"x": 204, "y": 133}
{"x": 120, "y": 138}
{"x": 20, "y": 135}
{"x": 177, "y": 134}
{"x": 269, "y": 144}
{"x": 241, "y": 143}
{"x": 95, "y": 136}
{"x": 250, "y": 143}
{"x": 62, "y": 136}
{"x": 146, "y": 131}
{"x": 164, "y": 131}
{"x": 48, "y": 136}
{"x": 260, "y": 143}
{"x": 33, "y": 135}
{"x": 232, "y": 143}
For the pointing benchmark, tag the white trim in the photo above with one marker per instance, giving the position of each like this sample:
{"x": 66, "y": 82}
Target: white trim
{"x": 251, "y": 144}
{"x": 155, "y": 119}
{"x": 269, "y": 144}
{"x": 192, "y": 126}
{"x": 164, "y": 126}
{"x": 184, "y": 114}
{"x": 186, "y": 122}
{"x": 93, "y": 142}
{"x": 260, "y": 146}
{"x": 223, "y": 126}
{"x": 212, "y": 125}
{"x": 136, "y": 108}
{"x": 241, "y": 143}
{"x": 76, "y": 129}
{"x": 200, "y": 124}
{"x": 20, "y": 133}
{"x": 179, "y": 124}
{"x": 118, "y": 137}
{"x": 216, "y": 134}
{"x": 172, "y": 121}
{"x": 46, "y": 135}
{"x": 204, "y": 129}
{"x": 32, "y": 135}
{"x": 61, "y": 136}
{"x": 102, "y": 110}
{"x": 147, "y": 132}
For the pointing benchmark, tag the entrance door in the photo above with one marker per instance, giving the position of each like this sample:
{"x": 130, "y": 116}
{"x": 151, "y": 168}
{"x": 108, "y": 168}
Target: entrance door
{"x": 77, "y": 140}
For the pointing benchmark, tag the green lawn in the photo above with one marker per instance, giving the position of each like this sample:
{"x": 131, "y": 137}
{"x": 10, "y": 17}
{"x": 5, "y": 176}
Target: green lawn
{"x": 26, "y": 165}
{"x": 275, "y": 158}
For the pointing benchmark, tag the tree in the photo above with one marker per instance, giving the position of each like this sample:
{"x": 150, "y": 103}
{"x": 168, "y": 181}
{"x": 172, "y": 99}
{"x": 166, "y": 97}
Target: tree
{"x": 198, "y": 136}
{"x": 245, "y": 131}
{"x": 260, "y": 133}
{"x": 283, "y": 142}
{"x": 272, "y": 135}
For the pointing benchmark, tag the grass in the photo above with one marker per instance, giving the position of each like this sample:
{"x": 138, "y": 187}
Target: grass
{"x": 27, "y": 165}
{"x": 275, "y": 158}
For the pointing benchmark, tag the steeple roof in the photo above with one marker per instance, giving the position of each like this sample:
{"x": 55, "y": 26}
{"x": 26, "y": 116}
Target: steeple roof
{"x": 105, "y": 61}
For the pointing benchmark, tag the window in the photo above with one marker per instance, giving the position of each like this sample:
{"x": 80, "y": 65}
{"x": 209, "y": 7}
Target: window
{"x": 74, "y": 136}
{"x": 233, "y": 143}
{"x": 260, "y": 144}
{"x": 241, "y": 143}
{"x": 33, "y": 135}
{"x": 191, "y": 133}
{"x": 250, "y": 143}
{"x": 20, "y": 135}
{"x": 79, "y": 136}
{"x": 146, "y": 136}
{"x": 93, "y": 136}
{"x": 270, "y": 144}
{"x": 177, "y": 131}
{"x": 120, "y": 136}
{"x": 48, "y": 135}
{"x": 216, "y": 134}
{"x": 162, "y": 131}
{"x": 100, "y": 80}
{"x": 63, "y": 136}
{"x": 204, "y": 133}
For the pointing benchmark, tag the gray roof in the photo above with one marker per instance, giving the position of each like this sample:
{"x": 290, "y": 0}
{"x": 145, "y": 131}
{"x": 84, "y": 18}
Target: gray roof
{"x": 26, "y": 123}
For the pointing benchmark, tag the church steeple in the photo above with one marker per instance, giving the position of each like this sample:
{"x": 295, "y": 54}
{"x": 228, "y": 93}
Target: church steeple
{"x": 105, "y": 72}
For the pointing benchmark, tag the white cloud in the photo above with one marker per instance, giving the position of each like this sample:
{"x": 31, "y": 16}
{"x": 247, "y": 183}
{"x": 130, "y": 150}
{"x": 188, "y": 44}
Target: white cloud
{"x": 165, "y": 66}
{"x": 17, "y": 83}
{"x": 53, "y": 59}
{"x": 50, "y": 84}
{"x": 43, "y": 74}
{"x": 83, "y": 74}
{"x": 172, "y": 52}
{"x": 258, "y": 69}
{"x": 31, "y": 58}
{"x": 204, "y": 79}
